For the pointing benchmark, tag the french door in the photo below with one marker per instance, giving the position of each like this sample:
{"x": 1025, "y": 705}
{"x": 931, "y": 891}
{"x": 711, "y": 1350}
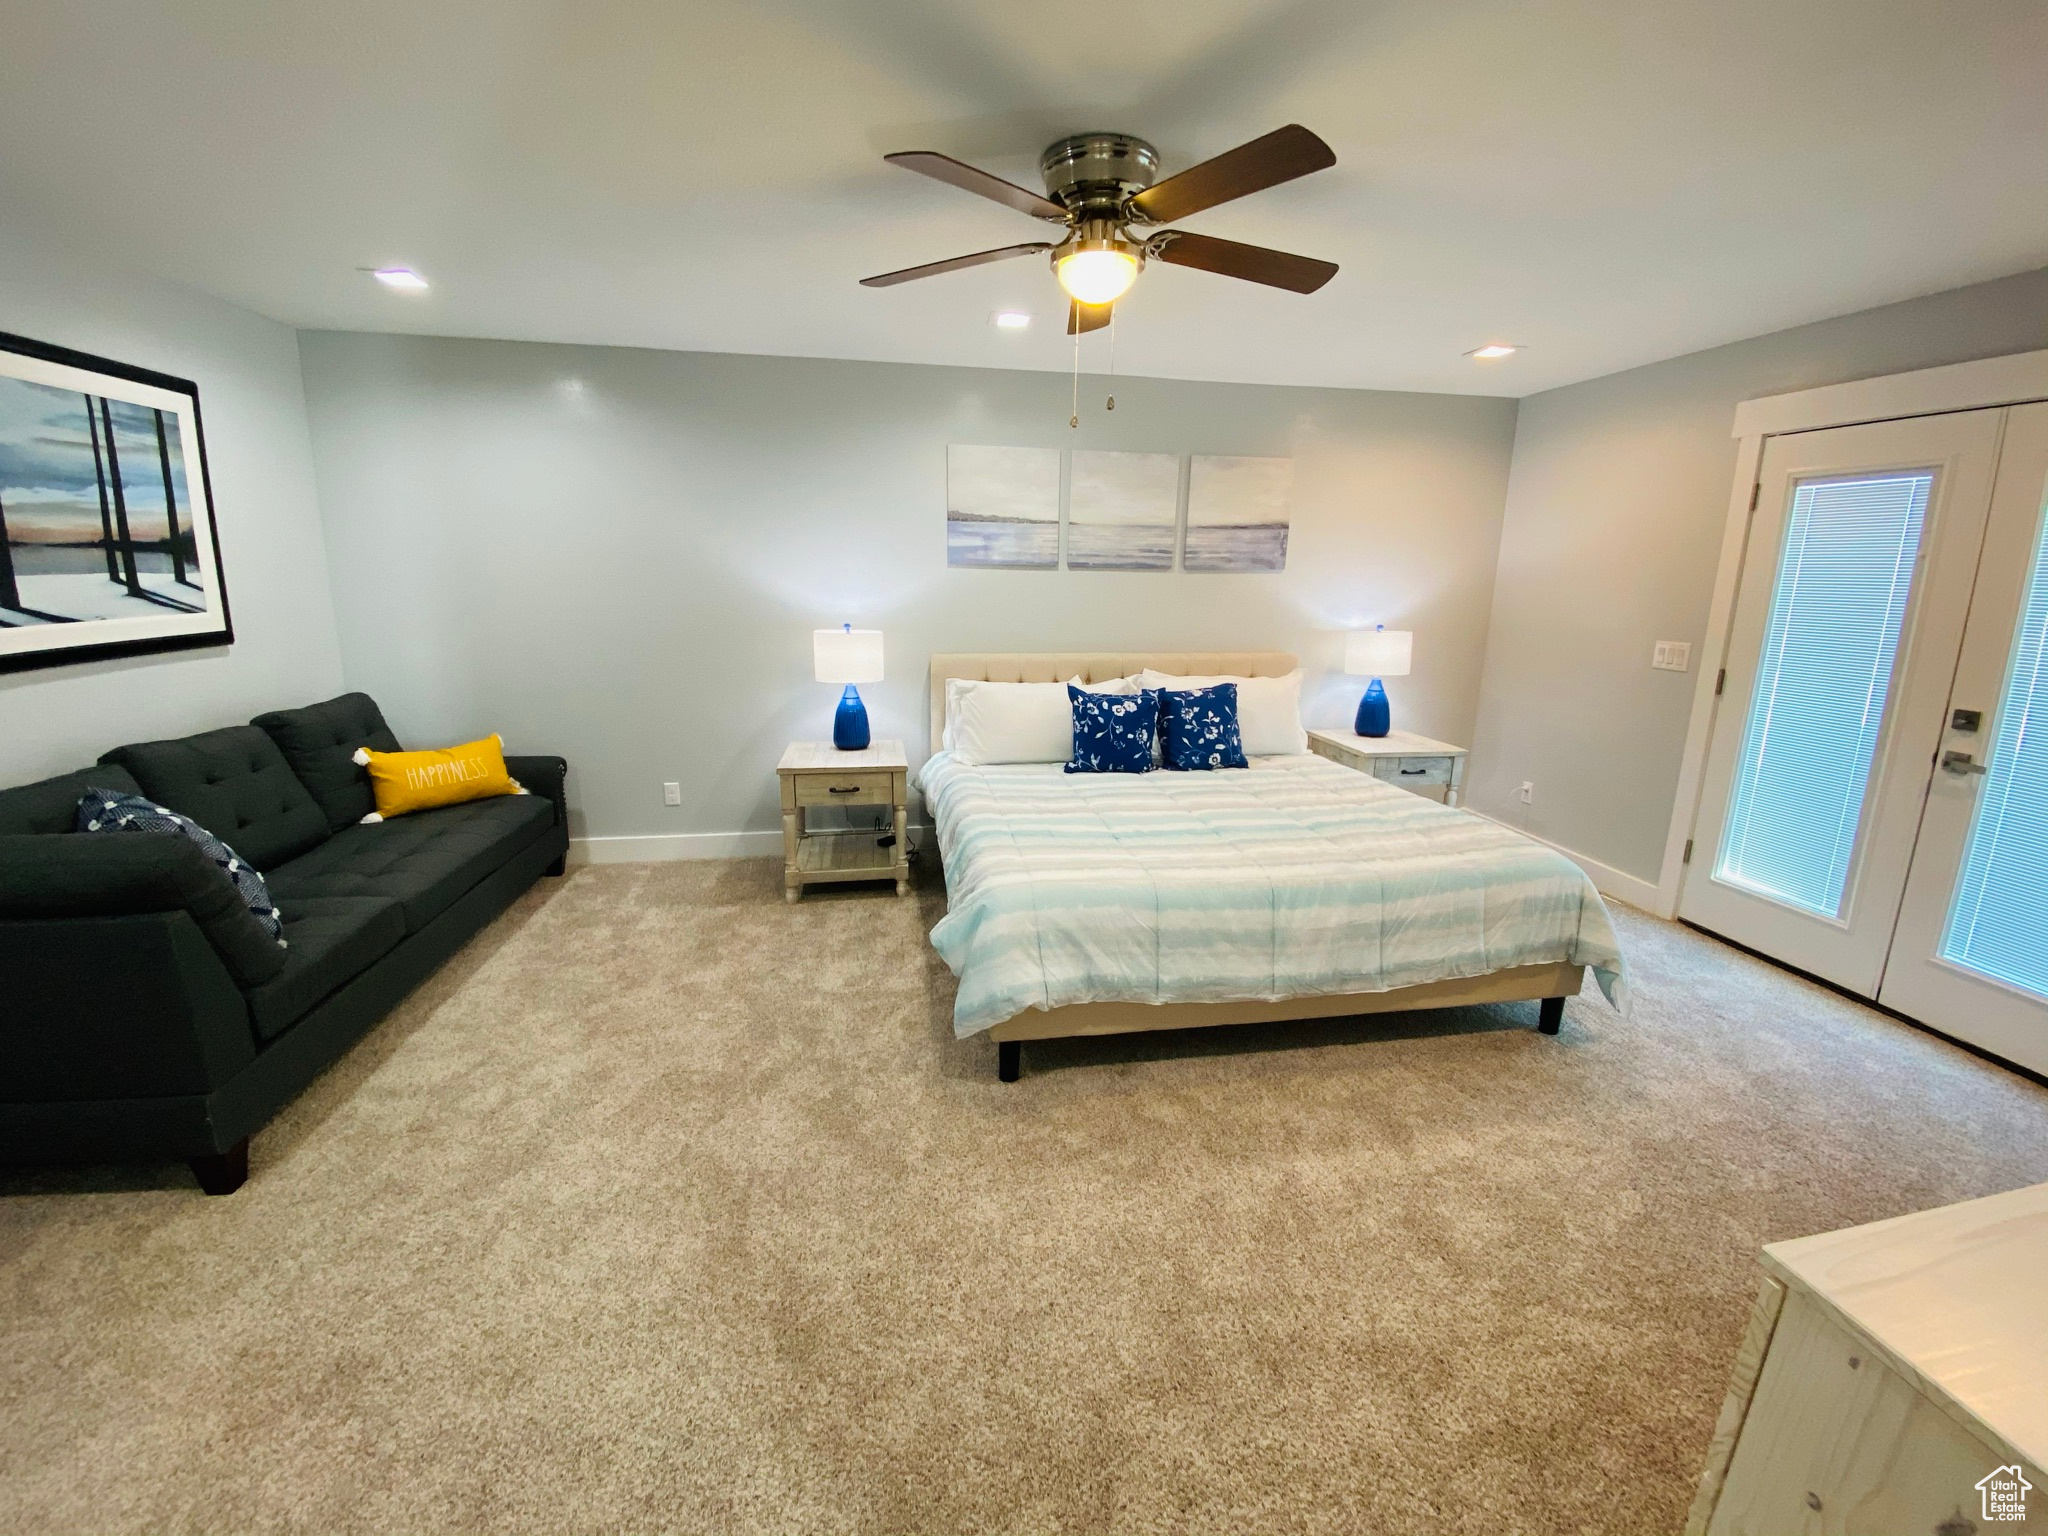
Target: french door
{"x": 1875, "y": 803}
{"x": 1971, "y": 952}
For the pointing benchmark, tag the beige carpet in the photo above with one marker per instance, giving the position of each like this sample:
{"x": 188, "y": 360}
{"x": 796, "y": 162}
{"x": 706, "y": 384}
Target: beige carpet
{"x": 668, "y": 1206}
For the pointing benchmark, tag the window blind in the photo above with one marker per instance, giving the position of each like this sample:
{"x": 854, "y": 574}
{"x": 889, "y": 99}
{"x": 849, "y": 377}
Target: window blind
{"x": 1845, "y": 572}
{"x": 1999, "y": 923}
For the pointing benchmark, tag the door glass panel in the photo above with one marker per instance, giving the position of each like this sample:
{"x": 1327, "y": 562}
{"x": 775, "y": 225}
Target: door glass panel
{"x": 1844, "y": 575}
{"x": 1999, "y": 924}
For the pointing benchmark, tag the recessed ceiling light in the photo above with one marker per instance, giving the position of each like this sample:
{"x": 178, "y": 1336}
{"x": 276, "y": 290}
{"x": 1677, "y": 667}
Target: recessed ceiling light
{"x": 404, "y": 279}
{"x": 1494, "y": 349}
{"x": 1011, "y": 319}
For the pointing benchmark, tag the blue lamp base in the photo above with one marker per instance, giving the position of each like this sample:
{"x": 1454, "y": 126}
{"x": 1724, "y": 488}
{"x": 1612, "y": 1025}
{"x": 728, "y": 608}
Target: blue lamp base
{"x": 1373, "y": 718}
{"x": 850, "y": 725}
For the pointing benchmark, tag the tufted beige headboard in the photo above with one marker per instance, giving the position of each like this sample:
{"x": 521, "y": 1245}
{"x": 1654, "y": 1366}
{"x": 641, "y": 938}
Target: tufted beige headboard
{"x": 1093, "y": 667}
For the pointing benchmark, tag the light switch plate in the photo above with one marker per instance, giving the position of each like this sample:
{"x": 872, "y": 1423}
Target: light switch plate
{"x": 1672, "y": 655}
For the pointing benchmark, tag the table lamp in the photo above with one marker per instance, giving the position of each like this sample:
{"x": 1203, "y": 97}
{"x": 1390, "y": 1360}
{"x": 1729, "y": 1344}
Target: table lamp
{"x": 1376, "y": 653}
{"x": 848, "y": 655}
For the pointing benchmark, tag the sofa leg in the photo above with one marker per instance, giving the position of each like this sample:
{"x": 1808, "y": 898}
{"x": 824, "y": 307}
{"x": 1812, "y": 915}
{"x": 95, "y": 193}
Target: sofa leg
{"x": 1549, "y": 1015}
{"x": 222, "y": 1173}
{"x": 559, "y": 867}
{"x": 1009, "y": 1060}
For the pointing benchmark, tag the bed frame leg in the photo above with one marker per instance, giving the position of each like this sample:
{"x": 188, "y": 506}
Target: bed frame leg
{"x": 1549, "y": 1015}
{"x": 1009, "y": 1060}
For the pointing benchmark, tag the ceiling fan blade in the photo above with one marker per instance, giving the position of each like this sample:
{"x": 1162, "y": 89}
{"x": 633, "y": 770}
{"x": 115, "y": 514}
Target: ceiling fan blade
{"x": 952, "y": 264}
{"x": 1279, "y": 156}
{"x": 957, "y": 173}
{"x": 1083, "y": 318}
{"x": 1253, "y": 263}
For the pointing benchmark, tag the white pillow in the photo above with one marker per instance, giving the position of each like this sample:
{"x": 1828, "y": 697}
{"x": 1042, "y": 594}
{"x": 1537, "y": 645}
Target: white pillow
{"x": 1008, "y": 722}
{"x": 1123, "y": 687}
{"x": 1268, "y": 709}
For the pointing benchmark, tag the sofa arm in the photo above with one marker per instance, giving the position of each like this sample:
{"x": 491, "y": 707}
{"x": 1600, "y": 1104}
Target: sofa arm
{"x": 121, "y": 874}
{"x": 113, "y": 1008}
{"x": 544, "y": 776}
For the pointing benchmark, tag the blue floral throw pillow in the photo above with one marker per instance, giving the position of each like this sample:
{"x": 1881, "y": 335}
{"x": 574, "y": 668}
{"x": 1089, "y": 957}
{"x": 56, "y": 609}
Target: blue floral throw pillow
{"x": 106, "y": 810}
{"x": 1198, "y": 728}
{"x": 1113, "y": 731}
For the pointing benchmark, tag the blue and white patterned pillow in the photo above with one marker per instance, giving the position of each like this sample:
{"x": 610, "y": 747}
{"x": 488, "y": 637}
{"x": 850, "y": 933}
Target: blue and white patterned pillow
{"x": 107, "y": 810}
{"x": 1198, "y": 728}
{"x": 1113, "y": 731}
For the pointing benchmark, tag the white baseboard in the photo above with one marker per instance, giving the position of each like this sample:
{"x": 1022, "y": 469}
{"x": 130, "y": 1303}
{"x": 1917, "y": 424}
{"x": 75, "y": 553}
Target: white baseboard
{"x": 662, "y": 847}
{"x": 1607, "y": 880}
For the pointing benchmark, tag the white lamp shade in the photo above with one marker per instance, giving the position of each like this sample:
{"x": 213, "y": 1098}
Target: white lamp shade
{"x": 847, "y": 655}
{"x": 1379, "y": 652}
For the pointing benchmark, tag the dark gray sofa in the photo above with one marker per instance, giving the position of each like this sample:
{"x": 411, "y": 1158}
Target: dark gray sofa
{"x": 145, "y": 1013}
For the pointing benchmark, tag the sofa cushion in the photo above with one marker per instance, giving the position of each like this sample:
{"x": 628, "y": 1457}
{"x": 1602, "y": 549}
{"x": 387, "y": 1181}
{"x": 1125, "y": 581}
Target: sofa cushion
{"x": 424, "y": 861}
{"x": 333, "y": 940}
{"x": 236, "y": 784}
{"x": 320, "y": 743}
{"x": 51, "y": 805}
{"x": 48, "y": 875}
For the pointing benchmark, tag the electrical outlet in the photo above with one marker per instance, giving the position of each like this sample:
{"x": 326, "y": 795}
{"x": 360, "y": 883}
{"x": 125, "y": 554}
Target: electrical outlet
{"x": 671, "y": 794}
{"x": 1672, "y": 656}
{"x": 1528, "y": 792}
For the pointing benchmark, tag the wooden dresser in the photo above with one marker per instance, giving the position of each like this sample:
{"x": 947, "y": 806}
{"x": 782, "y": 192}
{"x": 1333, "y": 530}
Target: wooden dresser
{"x": 1893, "y": 1381}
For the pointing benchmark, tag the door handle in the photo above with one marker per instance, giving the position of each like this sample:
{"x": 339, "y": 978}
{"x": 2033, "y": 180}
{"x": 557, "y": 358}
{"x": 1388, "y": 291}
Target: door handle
{"x": 1962, "y": 764}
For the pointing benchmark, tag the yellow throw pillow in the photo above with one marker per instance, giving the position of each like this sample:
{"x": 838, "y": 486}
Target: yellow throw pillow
{"x": 404, "y": 782}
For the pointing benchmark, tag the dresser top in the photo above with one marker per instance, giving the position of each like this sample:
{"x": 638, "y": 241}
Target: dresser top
{"x": 823, "y": 757}
{"x": 1393, "y": 744}
{"x": 1955, "y": 1296}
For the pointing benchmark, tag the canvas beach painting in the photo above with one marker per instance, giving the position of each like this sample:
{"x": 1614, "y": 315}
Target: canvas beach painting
{"x": 1003, "y": 507}
{"x": 107, "y": 542}
{"x": 1122, "y": 509}
{"x": 1238, "y": 513}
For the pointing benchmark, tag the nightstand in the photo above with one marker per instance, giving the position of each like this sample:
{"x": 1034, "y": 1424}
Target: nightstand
{"x": 816, "y": 773}
{"x": 1432, "y": 769}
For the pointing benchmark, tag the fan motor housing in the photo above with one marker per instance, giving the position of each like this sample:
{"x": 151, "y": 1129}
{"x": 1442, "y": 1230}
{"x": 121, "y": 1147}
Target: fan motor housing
{"x": 1098, "y": 169}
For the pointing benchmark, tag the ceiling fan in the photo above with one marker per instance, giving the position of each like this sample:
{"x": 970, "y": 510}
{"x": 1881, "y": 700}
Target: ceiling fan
{"x": 1100, "y": 184}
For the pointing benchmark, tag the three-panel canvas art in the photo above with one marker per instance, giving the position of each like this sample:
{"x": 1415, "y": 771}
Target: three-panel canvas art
{"x": 1124, "y": 511}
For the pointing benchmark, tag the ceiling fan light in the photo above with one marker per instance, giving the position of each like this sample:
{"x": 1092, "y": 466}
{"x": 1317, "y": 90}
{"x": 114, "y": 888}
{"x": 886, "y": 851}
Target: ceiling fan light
{"x": 1098, "y": 276}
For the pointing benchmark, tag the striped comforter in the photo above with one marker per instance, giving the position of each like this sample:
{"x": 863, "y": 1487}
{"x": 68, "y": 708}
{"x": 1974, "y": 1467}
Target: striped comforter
{"x": 1295, "y": 877}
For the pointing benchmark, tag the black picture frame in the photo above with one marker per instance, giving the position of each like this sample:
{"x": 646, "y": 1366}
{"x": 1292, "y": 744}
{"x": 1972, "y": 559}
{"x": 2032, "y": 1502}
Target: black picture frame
{"x": 188, "y": 622}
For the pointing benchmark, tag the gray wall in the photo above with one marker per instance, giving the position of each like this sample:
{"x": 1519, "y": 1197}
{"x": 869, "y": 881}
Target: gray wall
{"x": 260, "y": 465}
{"x": 1614, "y": 518}
{"x": 620, "y": 554}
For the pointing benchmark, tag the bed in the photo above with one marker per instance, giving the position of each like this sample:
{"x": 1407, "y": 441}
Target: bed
{"x": 1091, "y": 904}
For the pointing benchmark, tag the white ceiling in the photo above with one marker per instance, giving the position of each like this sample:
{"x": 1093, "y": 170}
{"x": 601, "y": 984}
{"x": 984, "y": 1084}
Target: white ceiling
{"x": 1606, "y": 182}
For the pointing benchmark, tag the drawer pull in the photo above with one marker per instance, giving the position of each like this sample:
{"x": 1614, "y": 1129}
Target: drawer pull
{"x": 1415, "y": 770}
{"x": 850, "y": 789}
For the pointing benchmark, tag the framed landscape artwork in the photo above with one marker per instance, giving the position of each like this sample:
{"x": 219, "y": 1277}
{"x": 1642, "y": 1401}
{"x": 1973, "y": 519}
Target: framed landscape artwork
{"x": 1003, "y": 507}
{"x": 1238, "y": 514}
{"x": 107, "y": 544}
{"x": 1122, "y": 509}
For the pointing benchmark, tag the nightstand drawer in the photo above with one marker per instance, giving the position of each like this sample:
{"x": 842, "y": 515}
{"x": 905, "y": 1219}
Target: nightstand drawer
{"x": 846, "y": 788}
{"x": 1411, "y": 771}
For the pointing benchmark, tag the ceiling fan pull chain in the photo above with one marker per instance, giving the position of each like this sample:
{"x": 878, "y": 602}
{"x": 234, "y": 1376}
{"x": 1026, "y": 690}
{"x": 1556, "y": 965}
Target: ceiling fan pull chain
{"x": 1075, "y": 419}
{"x": 1112, "y": 359}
